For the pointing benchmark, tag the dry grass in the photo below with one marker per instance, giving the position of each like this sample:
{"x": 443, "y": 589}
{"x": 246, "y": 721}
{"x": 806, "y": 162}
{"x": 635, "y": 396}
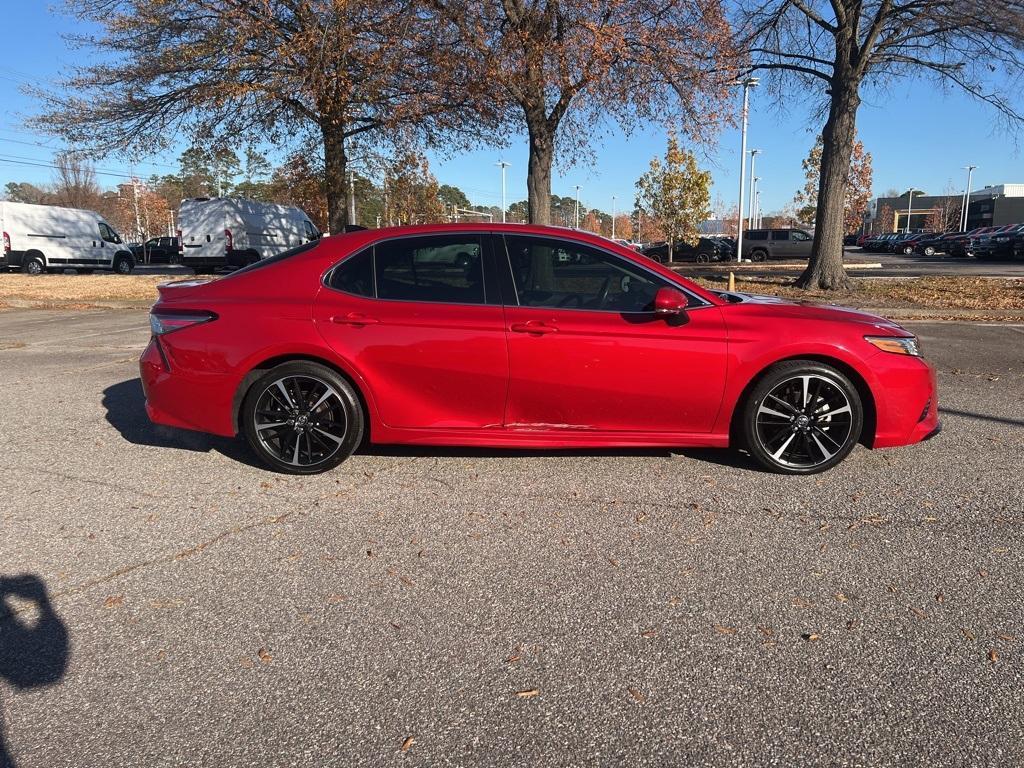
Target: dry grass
{"x": 76, "y": 291}
{"x": 934, "y": 293}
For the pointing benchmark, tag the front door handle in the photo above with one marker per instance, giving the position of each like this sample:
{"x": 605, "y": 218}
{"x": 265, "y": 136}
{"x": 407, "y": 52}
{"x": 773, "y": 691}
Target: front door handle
{"x": 354, "y": 318}
{"x": 533, "y": 326}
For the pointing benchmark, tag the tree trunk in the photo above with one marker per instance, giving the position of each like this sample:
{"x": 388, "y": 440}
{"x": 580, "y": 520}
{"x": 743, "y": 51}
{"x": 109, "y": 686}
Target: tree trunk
{"x": 538, "y": 173}
{"x": 825, "y": 270}
{"x": 335, "y": 186}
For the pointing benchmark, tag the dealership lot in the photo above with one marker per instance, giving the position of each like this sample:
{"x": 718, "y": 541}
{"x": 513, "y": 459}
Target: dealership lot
{"x": 496, "y": 607}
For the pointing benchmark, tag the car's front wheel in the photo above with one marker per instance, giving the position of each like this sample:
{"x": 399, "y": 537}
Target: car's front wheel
{"x": 302, "y": 418}
{"x": 802, "y": 417}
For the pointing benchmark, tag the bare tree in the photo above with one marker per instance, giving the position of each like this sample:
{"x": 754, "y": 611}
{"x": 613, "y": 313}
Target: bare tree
{"x": 295, "y": 73}
{"x": 74, "y": 182}
{"x": 831, "y": 49}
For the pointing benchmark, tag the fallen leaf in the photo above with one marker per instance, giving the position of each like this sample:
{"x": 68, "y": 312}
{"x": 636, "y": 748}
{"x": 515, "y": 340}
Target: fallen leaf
{"x": 528, "y": 694}
{"x": 245, "y": 662}
{"x": 842, "y": 598}
{"x": 851, "y": 624}
{"x": 264, "y": 655}
{"x": 641, "y": 516}
{"x": 613, "y": 561}
{"x": 161, "y": 656}
{"x": 636, "y": 694}
{"x": 1007, "y": 638}
{"x": 395, "y": 626}
{"x": 407, "y": 581}
{"x": 649, "y": 632}
{"x": 336, "y": 598}
{"x": 265, "y": 484}
{"x": 918, "y": 612}
{"x": 939, "y": 597}
{"x": 725, "y": 630}
{"x": 801, "y": 602}
{"x": 968, "y": 634}
{"x": 408, "y": 743}
{"x": 993, "y": 655}
{"x": 674, "y": 600}
{"x": 513, "y": 658}
{"x": 811, "y": 637}
{"x": 892, "y": 588}
{"x": 766, "y": 631}
{"x": 114, "y": 601}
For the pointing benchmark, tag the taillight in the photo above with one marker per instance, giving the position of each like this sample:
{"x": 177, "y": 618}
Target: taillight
{"x": 167, "y": 321}
{"x": 228, "y": 241}
{"x": 7, "y": 243}
{"x": 181, "y": 243}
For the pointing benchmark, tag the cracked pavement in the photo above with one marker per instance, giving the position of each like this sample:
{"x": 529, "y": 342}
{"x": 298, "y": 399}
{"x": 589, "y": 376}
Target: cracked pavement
{"x": 505, "y": 608}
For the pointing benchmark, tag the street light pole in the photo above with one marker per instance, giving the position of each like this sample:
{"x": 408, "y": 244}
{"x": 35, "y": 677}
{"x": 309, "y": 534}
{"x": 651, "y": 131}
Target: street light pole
{"x": 351, "y": 197}
{"x": 747, "y": 84}
{"x": 967, "y": 198}
{"x": 576, "y": 217}
{"x": 910, "y": 208}
{"x": 753, "y": 156}
{"x": 613, "y": 217}
{"x": 503, "y": 166}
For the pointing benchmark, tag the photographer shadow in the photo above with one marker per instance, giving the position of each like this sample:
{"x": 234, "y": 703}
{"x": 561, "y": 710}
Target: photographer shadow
{"x": 34, "y": 648}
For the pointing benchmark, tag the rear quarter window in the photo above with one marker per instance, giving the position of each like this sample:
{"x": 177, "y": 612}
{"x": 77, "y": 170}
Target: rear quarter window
{"x": 354, "y": 274}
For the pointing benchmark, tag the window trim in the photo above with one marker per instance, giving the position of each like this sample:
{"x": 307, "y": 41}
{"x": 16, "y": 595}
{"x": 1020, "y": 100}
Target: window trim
{"x": 483, "y": 238}
{"x": 511, "y": 277}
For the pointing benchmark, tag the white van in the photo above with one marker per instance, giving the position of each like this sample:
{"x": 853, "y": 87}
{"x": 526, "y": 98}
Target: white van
{"x": 45, "y": 238}
{"x": 233, "y": 231}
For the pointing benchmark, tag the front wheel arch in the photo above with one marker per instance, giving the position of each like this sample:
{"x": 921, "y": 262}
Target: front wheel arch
{"x": 257, "y": 371}
{"x": 867, "y": 398}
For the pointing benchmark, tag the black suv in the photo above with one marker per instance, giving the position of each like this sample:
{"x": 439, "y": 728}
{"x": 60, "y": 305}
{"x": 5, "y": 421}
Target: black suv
{"x": 157, "y": 250}
{"x": 764, "y": 244}
{"x": 705, "y": 250}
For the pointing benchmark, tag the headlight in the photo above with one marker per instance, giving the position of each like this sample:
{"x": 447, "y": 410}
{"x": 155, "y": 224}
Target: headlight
{"x": 900, "y": 345}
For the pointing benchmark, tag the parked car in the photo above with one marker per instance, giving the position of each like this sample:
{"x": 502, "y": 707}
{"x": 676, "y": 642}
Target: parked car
{"x": 765, "y": 244}
{"x": 706, "y": 250}
{"x": 879, "y": 243}
{"x": 366, "y": 335}
{"x": 234, "y": 232}
{"x": 851, "y": 240}
{"x": 957, "y": 246}
{"x": 157, "y": 250}
{"x": 998, "y": 245}
{"x": 934, "y": 243}
{"x": 45, "y": 238}
{"x": 908, "y": 243}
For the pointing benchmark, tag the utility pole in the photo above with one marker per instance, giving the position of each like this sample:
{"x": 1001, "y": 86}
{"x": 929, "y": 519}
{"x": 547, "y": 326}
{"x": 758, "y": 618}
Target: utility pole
{"x": 747, "y": 83}
{"x": 967, "y": 198}
{"x": 351, "y": 197}
{"x": 503, "y": 166}
{"x": 753, "y": 156}
{"x": 576, "y": 220}
{"x": 613, "y": 217}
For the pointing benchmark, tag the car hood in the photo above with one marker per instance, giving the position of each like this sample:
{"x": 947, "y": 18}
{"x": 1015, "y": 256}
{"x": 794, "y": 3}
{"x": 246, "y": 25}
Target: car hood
{"x": 809, "y": 310}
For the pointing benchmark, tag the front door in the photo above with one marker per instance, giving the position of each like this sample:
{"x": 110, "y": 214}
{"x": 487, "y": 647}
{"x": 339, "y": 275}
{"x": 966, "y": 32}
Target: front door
{"x": 586, "y": 351}
{"x": 416, "y": 318}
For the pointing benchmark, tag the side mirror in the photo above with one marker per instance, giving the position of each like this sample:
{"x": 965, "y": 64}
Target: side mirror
{"x": 669, "y": 302}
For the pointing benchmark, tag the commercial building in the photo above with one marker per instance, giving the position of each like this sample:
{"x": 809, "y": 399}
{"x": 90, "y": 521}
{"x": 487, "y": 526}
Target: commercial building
{"x": 989, "y": 207}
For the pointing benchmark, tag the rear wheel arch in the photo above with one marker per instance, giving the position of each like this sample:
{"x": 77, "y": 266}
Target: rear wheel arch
{"x": 867, "y": 435}
{"x": 261, "y": 368}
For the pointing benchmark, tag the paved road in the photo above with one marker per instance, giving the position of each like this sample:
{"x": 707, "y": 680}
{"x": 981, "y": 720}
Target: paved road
{"x": 666, "y": 609}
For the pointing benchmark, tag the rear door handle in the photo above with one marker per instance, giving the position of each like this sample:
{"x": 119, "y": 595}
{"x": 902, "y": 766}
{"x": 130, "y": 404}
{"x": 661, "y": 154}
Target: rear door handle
{"x": 354, "y": 318}
{"x": 533, "y": 326}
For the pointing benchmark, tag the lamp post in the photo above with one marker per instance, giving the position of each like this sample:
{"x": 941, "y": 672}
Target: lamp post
{"x": 910, "y": 207}
{"x": 503, "y": 165}
{"x": 753, "y": 180}
{"x": 755, "y": 193}
{"x": 613, "y": 217}
{"x": 967, "y": 198}
{"x": 747, "y": 83}
{"x": 576, "y": 215}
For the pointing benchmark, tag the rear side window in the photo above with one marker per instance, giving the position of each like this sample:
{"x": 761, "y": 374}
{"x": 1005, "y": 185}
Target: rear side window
{"x": 757, "y": 234}
{"x": 446, "y": 269}
{"x": 354, "y": 274}
{"x": 780, "y": 235}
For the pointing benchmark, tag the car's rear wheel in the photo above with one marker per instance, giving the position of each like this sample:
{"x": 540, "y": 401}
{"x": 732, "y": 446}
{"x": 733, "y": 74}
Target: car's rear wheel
{"x": 759, "y": 255}
{"x": 302, "y": 418}
{"x": 929, "y": 250}
{"x": 33, "y": 265}
{"x": 802, "y": 417}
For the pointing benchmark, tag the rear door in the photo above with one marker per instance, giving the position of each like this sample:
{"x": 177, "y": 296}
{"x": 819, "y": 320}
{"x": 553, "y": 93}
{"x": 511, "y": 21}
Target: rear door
{"x": 780, "y": 244}
{"x": 425, "y": 328}
{"x": 587, "y": 353}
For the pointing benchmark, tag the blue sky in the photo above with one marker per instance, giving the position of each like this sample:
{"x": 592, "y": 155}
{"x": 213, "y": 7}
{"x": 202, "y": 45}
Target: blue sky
{"x": 917, "y": 134}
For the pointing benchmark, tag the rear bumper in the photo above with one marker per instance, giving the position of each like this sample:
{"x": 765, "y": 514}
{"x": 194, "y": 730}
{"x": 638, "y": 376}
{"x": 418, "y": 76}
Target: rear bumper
{"x": 175, "y": 398}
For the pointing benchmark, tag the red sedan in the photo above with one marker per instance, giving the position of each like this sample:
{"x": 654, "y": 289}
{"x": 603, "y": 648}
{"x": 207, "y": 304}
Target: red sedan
{"x": 520, "y": 336}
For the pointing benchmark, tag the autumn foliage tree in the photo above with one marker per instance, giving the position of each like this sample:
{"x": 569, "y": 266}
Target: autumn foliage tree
{"x": 411, "y": 193}
{"x": 561, "y": 69}
{"x": 331, "y": 74}
{"x": 677, "y": 194}
{"x": 858, "y": 187}
{"x": 829, "y": 50}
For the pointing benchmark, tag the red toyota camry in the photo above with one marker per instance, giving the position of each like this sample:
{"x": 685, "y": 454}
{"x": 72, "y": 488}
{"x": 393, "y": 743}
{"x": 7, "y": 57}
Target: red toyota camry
{"x": 520, "y": 336}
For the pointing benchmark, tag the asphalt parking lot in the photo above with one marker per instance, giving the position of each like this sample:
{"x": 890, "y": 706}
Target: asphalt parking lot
{"x": 440, "y": 607}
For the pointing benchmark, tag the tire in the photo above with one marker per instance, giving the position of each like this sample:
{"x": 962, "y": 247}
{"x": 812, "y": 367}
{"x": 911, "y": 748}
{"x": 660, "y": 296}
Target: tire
{"x": 323, "y": 436}
{"x": 759, "y": 255}
{"x": 790, "y": 439}
{"x": 33, "y": 265}
{"x": 123, "y": 264}
{"x": 703, "y": 258}
{"x": 907, "y": 250}
{"x": 929, "y": 250}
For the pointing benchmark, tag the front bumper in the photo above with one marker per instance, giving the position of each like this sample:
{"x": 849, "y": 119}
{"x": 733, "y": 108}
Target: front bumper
{"x": 906, "y": 400}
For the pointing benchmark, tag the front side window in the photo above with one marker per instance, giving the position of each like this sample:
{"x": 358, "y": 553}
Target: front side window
{"x": 800, "y": 236}
{"x": 562, "y": 274}
{"x": 443, "y": 268}
{"x": 108, "y": 234}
